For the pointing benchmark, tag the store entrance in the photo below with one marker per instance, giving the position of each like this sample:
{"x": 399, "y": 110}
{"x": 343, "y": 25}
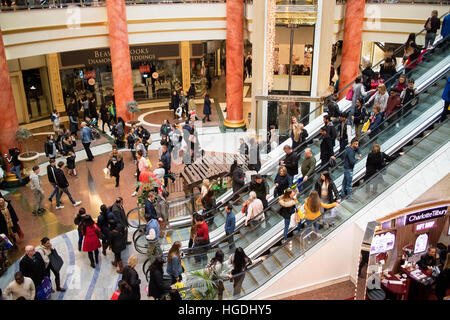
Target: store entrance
{"x": 37, "y": 92}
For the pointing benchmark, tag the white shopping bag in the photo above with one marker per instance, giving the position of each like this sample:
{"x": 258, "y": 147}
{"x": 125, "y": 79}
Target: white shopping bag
{"x": 106, "y": 173}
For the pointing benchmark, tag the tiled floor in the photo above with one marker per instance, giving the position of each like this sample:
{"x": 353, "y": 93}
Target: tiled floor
{"x": 339, "y": 291}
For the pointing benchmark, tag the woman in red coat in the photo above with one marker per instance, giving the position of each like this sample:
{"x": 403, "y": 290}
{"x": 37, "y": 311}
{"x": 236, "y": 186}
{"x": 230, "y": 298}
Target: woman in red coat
{"x": 91, "y": 242}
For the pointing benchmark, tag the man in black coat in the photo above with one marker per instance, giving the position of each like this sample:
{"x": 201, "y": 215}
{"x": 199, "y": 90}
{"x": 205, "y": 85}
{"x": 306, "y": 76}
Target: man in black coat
{"x": 238, "y": 177}
{"x": 291, "y": 163}
{"x": 261, "y": 189}
{"x": 331, "y": 129}
{"x": 63, "y": 185}
{"x": 51, "y": 169}
{"x": 166, "y": 160}
{"x": 120, "y": 216}
{"x": 326, "y": 149}
{"x": 32, "y": 266}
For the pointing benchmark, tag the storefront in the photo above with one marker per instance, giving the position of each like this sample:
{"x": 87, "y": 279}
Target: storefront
{"x": 398, "y": 266}
{"x": 156, "y": 71}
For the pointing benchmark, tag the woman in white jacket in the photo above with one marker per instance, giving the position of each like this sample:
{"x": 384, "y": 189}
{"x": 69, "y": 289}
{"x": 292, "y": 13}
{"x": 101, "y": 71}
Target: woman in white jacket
{"x": 45, "y": 249}
{"x": 380, "y": 97}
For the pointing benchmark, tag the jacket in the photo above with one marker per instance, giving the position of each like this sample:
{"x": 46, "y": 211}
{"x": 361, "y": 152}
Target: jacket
{"x": 33, "y": 269}
{"x": 326, "y": 148}
{"x": 375, "y": 123}
{"x": 254, "y": 162}
{"x": 360, "y": 115}
{"x": 350, "y": 157}
{"x": 26, "y": 290}
{"x": 261, "y": 189}
{"x": 130, "y": 276}
{"x": 238, "y": 178}
{"x": 115, "y": 164}
{"x": 308, "y": 166}
{"x": 207, "y": 106}
{"x": 426, "y": 261}
{"x": 35, "y": 183}
{"x": 302, "y": 138}
{"x": 287, "y": 208}
{"x": 119, "y": 213}
{"x": 166, "y": 160}
{"x": 393, "y": 104}
{"x": 202, "y": 232}
{"x": 164, "y": 130}
{"x": 375, "y": 162}
{"x": 311, "y": 215}
{"x": 3, "y": 225}
{"x": 103, "y": 225}
{"x": 446, "y": 93}
{"x": 174, "y": 267}
{"x": 150, "y": 212}
{"x": 291, "y": 163}
{"x": 333, "y": 193}
{"x": 117, "y": 239}
{"x": 157, "y": 286}
{"x": 91, "y": 242}
{"x": 435, "y": 24}
{"x": 50, "y": 148}
{"x": 445, "y": 31}
{"x": 230, "y": 223}
{"x": 86, "y": 135}
{"x": 283, "y": 184}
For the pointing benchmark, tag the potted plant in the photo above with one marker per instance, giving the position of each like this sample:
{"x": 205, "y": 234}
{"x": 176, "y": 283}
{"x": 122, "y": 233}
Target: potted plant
{"x": 28, "y": 158}
{"x": 133, "y": 108}
{"x": 204, "y": 284}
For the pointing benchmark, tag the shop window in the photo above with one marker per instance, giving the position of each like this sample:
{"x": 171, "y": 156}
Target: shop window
{"x": 37, "y": 91}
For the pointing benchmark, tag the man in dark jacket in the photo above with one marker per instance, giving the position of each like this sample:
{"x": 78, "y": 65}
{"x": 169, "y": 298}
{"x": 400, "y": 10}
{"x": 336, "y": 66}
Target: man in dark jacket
{"x": 331, "y": 129}
{"x": 238, "y": 180}
{"x": 254, "y": 162}
{"x": 326, "y": 149}
{"x": 166, "y": 160}
{"x": 428, "y": 259}
{"x": 165, "y": 129}
{"x": 349, "y": 164}
{"x": 432, "y": 25}
{"x": 243, "y": 147}
{"x": 291, "y": 163}
{"x": 32, "y": 266}
{"x": 51, "y": 169}
{"x": 230, "y": 224}
{"x": 261, "y": 189}
{"x": 118, "y": 242}
{"x": 63, "y": 185}
{"x": 119, "y": 215}
{"x": 345, "y": 131}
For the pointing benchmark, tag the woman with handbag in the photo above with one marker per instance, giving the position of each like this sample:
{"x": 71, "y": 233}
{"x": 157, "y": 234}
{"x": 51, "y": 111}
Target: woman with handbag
{"x": 174, "y": 267}
{"x": 327, "y": 191}
{"x": 52, "y": 261}
{"x": 287, "y": 202}
{"x": 117, "y": 242}
{"x": 91, "y": 242}
{"x": 312, "y": 209}
{"x": 130, "y": 276}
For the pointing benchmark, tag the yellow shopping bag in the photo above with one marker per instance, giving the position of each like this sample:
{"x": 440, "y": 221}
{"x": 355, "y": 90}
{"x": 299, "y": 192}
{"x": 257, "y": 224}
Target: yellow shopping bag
{"x": 300, "y": 215}
{"x": 366, "y": 126}
{"x": 149, "y": 163}
{"x": 179, "y": 286}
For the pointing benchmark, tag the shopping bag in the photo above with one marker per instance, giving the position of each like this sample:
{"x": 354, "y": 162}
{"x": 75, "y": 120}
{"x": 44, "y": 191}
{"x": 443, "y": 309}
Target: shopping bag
{"x": 349, "y": 94}
{"x": 5, "y": 238}
{"x": 55, "y": 260}
{"x": 106, "y": 173}
{"x": 149, "y": 163}
{"x": 366, "y": 126}
{"x": 179, "y": 286}
{"x": 300, "y": 214}
{"x": 44, "y": 290}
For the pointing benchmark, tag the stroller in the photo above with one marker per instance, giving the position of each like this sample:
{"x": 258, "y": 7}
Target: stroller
{"x": 91, "y": 124}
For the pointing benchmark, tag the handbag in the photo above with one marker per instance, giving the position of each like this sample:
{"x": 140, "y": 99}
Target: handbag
{"x": 106, "y": 173}
{"x": 44, "y": 290}
{"x": 300, "y": 214}
{"x": 55, "y": 260}
{"x": 349, "y": 94}
{"x": 428, "y": 25}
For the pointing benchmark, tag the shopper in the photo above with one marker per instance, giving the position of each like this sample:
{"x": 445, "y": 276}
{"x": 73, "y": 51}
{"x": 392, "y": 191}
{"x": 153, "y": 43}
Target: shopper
{"x": 312, "y": 209}
{"x": 167, "y": 162}
{"x": 152, "y": 235}
{"x": 130, "y": 276}
{"x": 349, "y": 163}
{"x": 394, "y": 104}
{"x": 174, "y": 267}
{"x": 307, "y": 169}
{"x": 215, "y": 269}
{"x": 93, "y": 114}
{"x": 141, "y": 166}
{"x": 91, "y": 241}
{"x": 14, "y": 154}
{"x": 157, "y": 286}
{"x": 432, "y": 25}
{"x": 84, "y": 102}
{"x": 104, "y": 117}
{"x": 230, "y": 224}
{"x": 8, "y": 221}
{"x": 119, "y": 215}
{"x": 56, "y": 120}
{"x": 240, "y": 262}
{"x": 380, "y": 97}
{"x": 261, "y": 188}
{"x": 206, "y": 108}
{"x": 38, "y": 193}
{"x": 32, "y": 266}
{"x": 243, "y": 147}
{"x": 254, "y": 209}
{"x": 209, "y": 203}
{"x": 70, "y": 160}
{"x": 291, "y": 163}
{"x": 376, "y": 122}
{"x": 359, "y": 92}
{"x": 86, "y": 138}
{"x": 299, "y": 135}
{"x": 79, "y": 221}
{"x": 48, "y": 253}
{"x": 328, "y": 193}
{"x": 359, "y": 117}
{"x": 281, "y": 182}
{"x": 118, "y": 242}
{"x": 21, "y": 287}
{"x": 175, "y": 102}
{"x": 201, "y": 239}
{"x": 115, "y": 164}
{"x": 408, "y": 96}
{"x": 326, "y": 149}
{"x": 63, "y": 186}
{"x": 103, "y": 224}
{"x": 126, "y": 292}
{"x": 376, "y": 160}
{"x": 345, "y": 131}
{"x": 50, "y": 147}
{"x": 387, "y": 70}
{"x": 287, "y": 202}
{"x": 254, "y": 162}
{"x": 238, "y": 180}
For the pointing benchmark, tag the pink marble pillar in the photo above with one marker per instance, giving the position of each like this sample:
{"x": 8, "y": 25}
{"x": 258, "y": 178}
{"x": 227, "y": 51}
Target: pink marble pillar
{"x": 351, "y": 49}
{"x": 120, "y": 56}
{"x": 235, "y": 64}
{"x": 8, "y": 115}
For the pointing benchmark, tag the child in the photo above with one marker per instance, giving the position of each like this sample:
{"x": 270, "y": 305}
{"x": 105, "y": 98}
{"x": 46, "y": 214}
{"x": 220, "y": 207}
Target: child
{"x": 71, "y": 164}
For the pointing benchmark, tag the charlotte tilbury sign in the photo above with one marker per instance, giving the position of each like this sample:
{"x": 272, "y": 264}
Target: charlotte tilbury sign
{"x": 103, "y": 56}
{"x": 425, "y": 215}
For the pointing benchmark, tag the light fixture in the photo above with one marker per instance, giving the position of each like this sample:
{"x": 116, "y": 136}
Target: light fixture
{"x": 270, "y": 38}
{"x": 33, "y": 88}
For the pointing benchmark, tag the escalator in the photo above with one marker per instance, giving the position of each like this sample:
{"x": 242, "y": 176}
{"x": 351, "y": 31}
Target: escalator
{"x": 435, "y": 138}
{"x": 433, "y": 67}
{"x": 408, "y": 125}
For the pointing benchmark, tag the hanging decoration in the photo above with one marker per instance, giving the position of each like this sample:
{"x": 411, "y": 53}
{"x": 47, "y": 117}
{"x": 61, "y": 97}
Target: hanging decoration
{"x": 270, "y": 43}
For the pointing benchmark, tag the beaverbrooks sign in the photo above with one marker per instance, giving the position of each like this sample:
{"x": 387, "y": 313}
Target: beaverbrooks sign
{"x": 426, "y": 215}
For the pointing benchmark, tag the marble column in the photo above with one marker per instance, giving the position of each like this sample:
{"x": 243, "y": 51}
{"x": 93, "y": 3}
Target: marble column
{"x": 235, "y": 64}
{"x": 185, "y": 53}
{"x": 120, "y": 56}
{"x": 8, "y": 115}
{"x": 351, "y": 50}
{"x": 55, "y": 81}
